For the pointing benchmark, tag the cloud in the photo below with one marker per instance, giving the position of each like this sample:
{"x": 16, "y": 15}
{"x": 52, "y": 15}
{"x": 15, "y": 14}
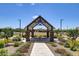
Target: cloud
{"x": 19, "y": 4}
{"x": 35, "y": 16}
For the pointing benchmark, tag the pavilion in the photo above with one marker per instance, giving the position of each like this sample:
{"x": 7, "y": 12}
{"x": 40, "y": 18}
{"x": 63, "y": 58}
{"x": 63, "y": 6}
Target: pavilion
{"x": 29, "y": 29}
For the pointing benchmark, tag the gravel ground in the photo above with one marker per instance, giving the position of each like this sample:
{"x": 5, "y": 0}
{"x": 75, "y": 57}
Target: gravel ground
{"x": 11, "y": 49}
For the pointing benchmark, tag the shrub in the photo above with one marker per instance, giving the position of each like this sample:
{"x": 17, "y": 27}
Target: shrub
{"x": 60, "y": 38}
{"x": 16, "y": 44}
{"x": 2, "y": 34}
{"x": 24, "y": 48}
{"x": 7, "y": 41}
{"x": 67, "y": 45}
{"x": 17, "y": 54}
{"x": 44, "y": 36}
{"x": 53, "y": 44}
{"x": 55, "y": 35}
{"x": 72, "y": 44}
{"x": 73, "y": 33}
{"x": 8, "y": 32}
{"x": 40, "y": 36}
{"x": 2, "y": 44}
{"x": 62, "y": 52}
{"x": 73, "y": 48}
{"x": 27, "y": 45}
{"x": 16, "y": 38}
{"x": 61, "y": 43}
{"x": 3, "y": 52}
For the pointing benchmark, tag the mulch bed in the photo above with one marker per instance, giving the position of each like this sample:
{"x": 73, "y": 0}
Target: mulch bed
{"x": 57, "y": 51}
{"x": 30, "y": 49}
{"x": 24, "y": 50}
{"x": 53, "y": 49}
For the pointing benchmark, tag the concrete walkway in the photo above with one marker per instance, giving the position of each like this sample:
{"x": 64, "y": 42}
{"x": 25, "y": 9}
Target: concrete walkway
{"x": 41, "y": 49}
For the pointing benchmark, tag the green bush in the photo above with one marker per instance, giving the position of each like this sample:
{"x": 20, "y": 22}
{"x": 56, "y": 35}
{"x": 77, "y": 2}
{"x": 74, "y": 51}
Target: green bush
{"x": 72, "y": 44}
{"x": 17, "y": 38}
{"x": 16, "y": 44}
{"x": 40, "y": 36}
{"x": 24, "y": 48}
{"x": 18, "y": 54}
{"x": 27, "y": 45}
{"x": 61, "y": 43}
{"x": 2, "y": 35}
{"x": 44, "y": 36}
{"x": 73, "y": 48}
{"x": 7, "y": 41}
{"x": 8, "y": 32}
{"x": 2, "y": 44}
{"x": 67, "y": 45}
{"x": 60, "y": 38}
{"x": 3, "y": 52}
{"x": 53, "y": 44}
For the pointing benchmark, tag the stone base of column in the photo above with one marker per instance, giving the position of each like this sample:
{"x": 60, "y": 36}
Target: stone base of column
{"x": 51, "y": 39}
{"x": 27, "y": 40}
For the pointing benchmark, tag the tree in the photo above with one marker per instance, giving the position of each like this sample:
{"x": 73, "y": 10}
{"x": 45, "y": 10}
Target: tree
{"x": 8, "y": 32}
{"x": 18, "y": 30}
{"x": 73, "y": 33}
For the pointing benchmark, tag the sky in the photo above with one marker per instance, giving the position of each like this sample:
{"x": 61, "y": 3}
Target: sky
{"x": 10, "y": 13}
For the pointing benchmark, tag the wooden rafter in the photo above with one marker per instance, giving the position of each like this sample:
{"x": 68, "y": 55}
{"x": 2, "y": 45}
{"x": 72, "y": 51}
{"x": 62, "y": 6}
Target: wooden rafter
{"x": 35, "y": 22}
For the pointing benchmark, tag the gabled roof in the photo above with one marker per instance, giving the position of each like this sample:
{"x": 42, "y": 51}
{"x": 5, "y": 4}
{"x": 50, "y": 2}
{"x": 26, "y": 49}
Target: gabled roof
{"x": 39, "y": 19}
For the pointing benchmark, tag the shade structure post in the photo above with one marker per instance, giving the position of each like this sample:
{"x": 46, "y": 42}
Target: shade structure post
{"x": 47, "y": 34}
{"x": 51, "y": 36}
{"x": 32, "y": 35}
{"x": 27, "y": 35}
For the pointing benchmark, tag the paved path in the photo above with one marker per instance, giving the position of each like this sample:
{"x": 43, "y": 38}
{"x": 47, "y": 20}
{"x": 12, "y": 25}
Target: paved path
{"x": 41, "y": 49}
